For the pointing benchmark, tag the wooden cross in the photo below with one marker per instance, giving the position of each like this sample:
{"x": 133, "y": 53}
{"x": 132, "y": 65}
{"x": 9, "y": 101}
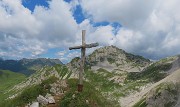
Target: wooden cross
{"x": 83, "y": 50}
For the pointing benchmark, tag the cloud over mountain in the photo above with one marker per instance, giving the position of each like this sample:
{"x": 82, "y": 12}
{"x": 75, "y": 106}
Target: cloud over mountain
{"x": 151, "y": 29}
{"x": 148, "y": 28}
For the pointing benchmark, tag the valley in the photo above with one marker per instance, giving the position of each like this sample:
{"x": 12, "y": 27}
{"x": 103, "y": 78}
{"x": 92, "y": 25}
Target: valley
{"x": 112, "y": 78}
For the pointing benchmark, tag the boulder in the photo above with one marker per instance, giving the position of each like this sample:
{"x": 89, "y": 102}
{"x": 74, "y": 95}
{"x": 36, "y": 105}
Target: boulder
{"x": 63, "y": 84}
{"x": 34, "y": 104}
{"x": 50, "y": 98}
{"x": 48, "y": 95}
{"x": 42, "y": 100}
{"x": 53, "y": 90}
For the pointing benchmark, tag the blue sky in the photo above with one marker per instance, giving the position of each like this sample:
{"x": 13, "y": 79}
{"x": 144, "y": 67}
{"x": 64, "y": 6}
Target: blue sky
{"x": 77, "y": 15}
{"x": 30, "y": 4}
{"x": 46, "y": 28}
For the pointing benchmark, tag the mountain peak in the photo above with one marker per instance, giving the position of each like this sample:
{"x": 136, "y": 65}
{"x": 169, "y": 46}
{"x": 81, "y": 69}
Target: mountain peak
{"x": 110, "y": 49}
{"x": 111, "y": 58}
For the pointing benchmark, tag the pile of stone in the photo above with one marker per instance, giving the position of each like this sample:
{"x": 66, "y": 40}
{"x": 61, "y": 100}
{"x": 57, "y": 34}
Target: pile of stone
{"x": 41, "y": 100}
{"x": 48, "y": 99}
{"x": 58, "y": 88}
{"x": 34, "y": 104}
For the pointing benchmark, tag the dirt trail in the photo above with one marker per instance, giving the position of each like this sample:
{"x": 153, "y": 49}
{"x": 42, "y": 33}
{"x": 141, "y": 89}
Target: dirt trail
{"x": 57, "y": 99}
{"x": 130, "y": 100}
{"x": 175, "y": 66}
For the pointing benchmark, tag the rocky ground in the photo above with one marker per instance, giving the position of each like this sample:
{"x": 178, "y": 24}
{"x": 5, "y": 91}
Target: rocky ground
{"x": 112, "y": 58}
{"x": 57, "y": 91}
{"x": 111, "y": 75}
{"x": 174, "y": 77}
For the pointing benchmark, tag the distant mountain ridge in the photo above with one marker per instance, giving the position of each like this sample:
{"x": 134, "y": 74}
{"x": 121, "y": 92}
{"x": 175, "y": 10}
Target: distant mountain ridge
{"x": 112, "y": 76}
{"x": 27, "y": 66}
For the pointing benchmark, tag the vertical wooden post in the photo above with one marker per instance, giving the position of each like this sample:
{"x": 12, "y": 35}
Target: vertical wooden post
{"x": 83, "y": 49}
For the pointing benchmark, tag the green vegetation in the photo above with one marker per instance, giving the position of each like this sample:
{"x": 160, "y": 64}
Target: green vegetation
{"x": 153, "y": 73}
{"x": 100, "y": 79}
{"x": 171, "y": 90}
{"x": 29, "y": 94}
{"x": 90, "y": 97}
{"x": 111, "y": 60}
{"x": 168, "y": 59}
{"x": 169, "y": 104}
{"x": 170, "y": 87}
{"x": 27, "y": 66}
{"x": 8, "y": 79}
{"x": 74, "y": 62}
{"x": 137, "y": 59}
{"x": 141, "y": 103}
{"x": 167, "y": 91}
{"x": 76, "y": 59}
{"x": 94, "y": 87}
{"x": 63, "y": 71}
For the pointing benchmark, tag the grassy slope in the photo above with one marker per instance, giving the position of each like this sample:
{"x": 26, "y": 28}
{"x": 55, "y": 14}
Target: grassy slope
{"x": 29, "y": 94}
{"x": 7, "y": 80}
{"x": 112, "y": 90}
{"x": 90, "y": 97}
{"x": 171, "y": 90}
{"x": 170, "y": 85}
{"x": 153, "y": 73}
{"x": 98, "y": 84}
{"x": 90, "y": 93}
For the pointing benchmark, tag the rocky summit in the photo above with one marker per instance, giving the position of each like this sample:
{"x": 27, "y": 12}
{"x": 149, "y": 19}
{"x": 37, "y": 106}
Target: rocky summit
{"x": 112, "y": 58}
{"x": 112, "y": 78}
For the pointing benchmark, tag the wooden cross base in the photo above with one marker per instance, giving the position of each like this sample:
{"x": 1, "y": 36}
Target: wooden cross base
{"x": 80, "y": 88}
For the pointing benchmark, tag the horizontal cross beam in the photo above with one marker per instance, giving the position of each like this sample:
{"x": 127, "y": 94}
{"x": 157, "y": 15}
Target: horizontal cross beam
{"x": 85, "y": 46}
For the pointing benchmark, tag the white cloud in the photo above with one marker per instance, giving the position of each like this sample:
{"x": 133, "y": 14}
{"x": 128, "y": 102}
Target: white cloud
{"x": 57, "y": 21}
{"x": 16, "y": 19}
{"x": 71, "y": 55}
{"x": 150, "y": 28}
{"x": 38, "y": 31}
{"x": 101, "y": 34}
{"x": 130, "y": 13}
{"x": 61, "y": 53}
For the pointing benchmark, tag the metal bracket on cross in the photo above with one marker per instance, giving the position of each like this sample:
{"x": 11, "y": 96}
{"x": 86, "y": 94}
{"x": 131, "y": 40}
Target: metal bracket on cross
{"x": 83, "y": 50}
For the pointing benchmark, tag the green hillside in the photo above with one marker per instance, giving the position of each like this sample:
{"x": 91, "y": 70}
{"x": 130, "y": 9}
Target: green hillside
{"x": 154, "y": 72}
{"x": 8, "y": 79}
{"x": 88, "y": 98}
{"x": 91, "y": 96}
{"x": 29, "y": 94}
{"x": 102, "y": 88}
{"x": 27, "y": 66}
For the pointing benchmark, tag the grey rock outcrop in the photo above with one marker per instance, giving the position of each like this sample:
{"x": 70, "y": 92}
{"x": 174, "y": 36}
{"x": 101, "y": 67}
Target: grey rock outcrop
{"x": 59, "y": 87}
{"x": 42, "y": 100}
{"x": 34, "y": 104}
{"x": 111, "y": 58}
{"x": 50, "y": 98}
